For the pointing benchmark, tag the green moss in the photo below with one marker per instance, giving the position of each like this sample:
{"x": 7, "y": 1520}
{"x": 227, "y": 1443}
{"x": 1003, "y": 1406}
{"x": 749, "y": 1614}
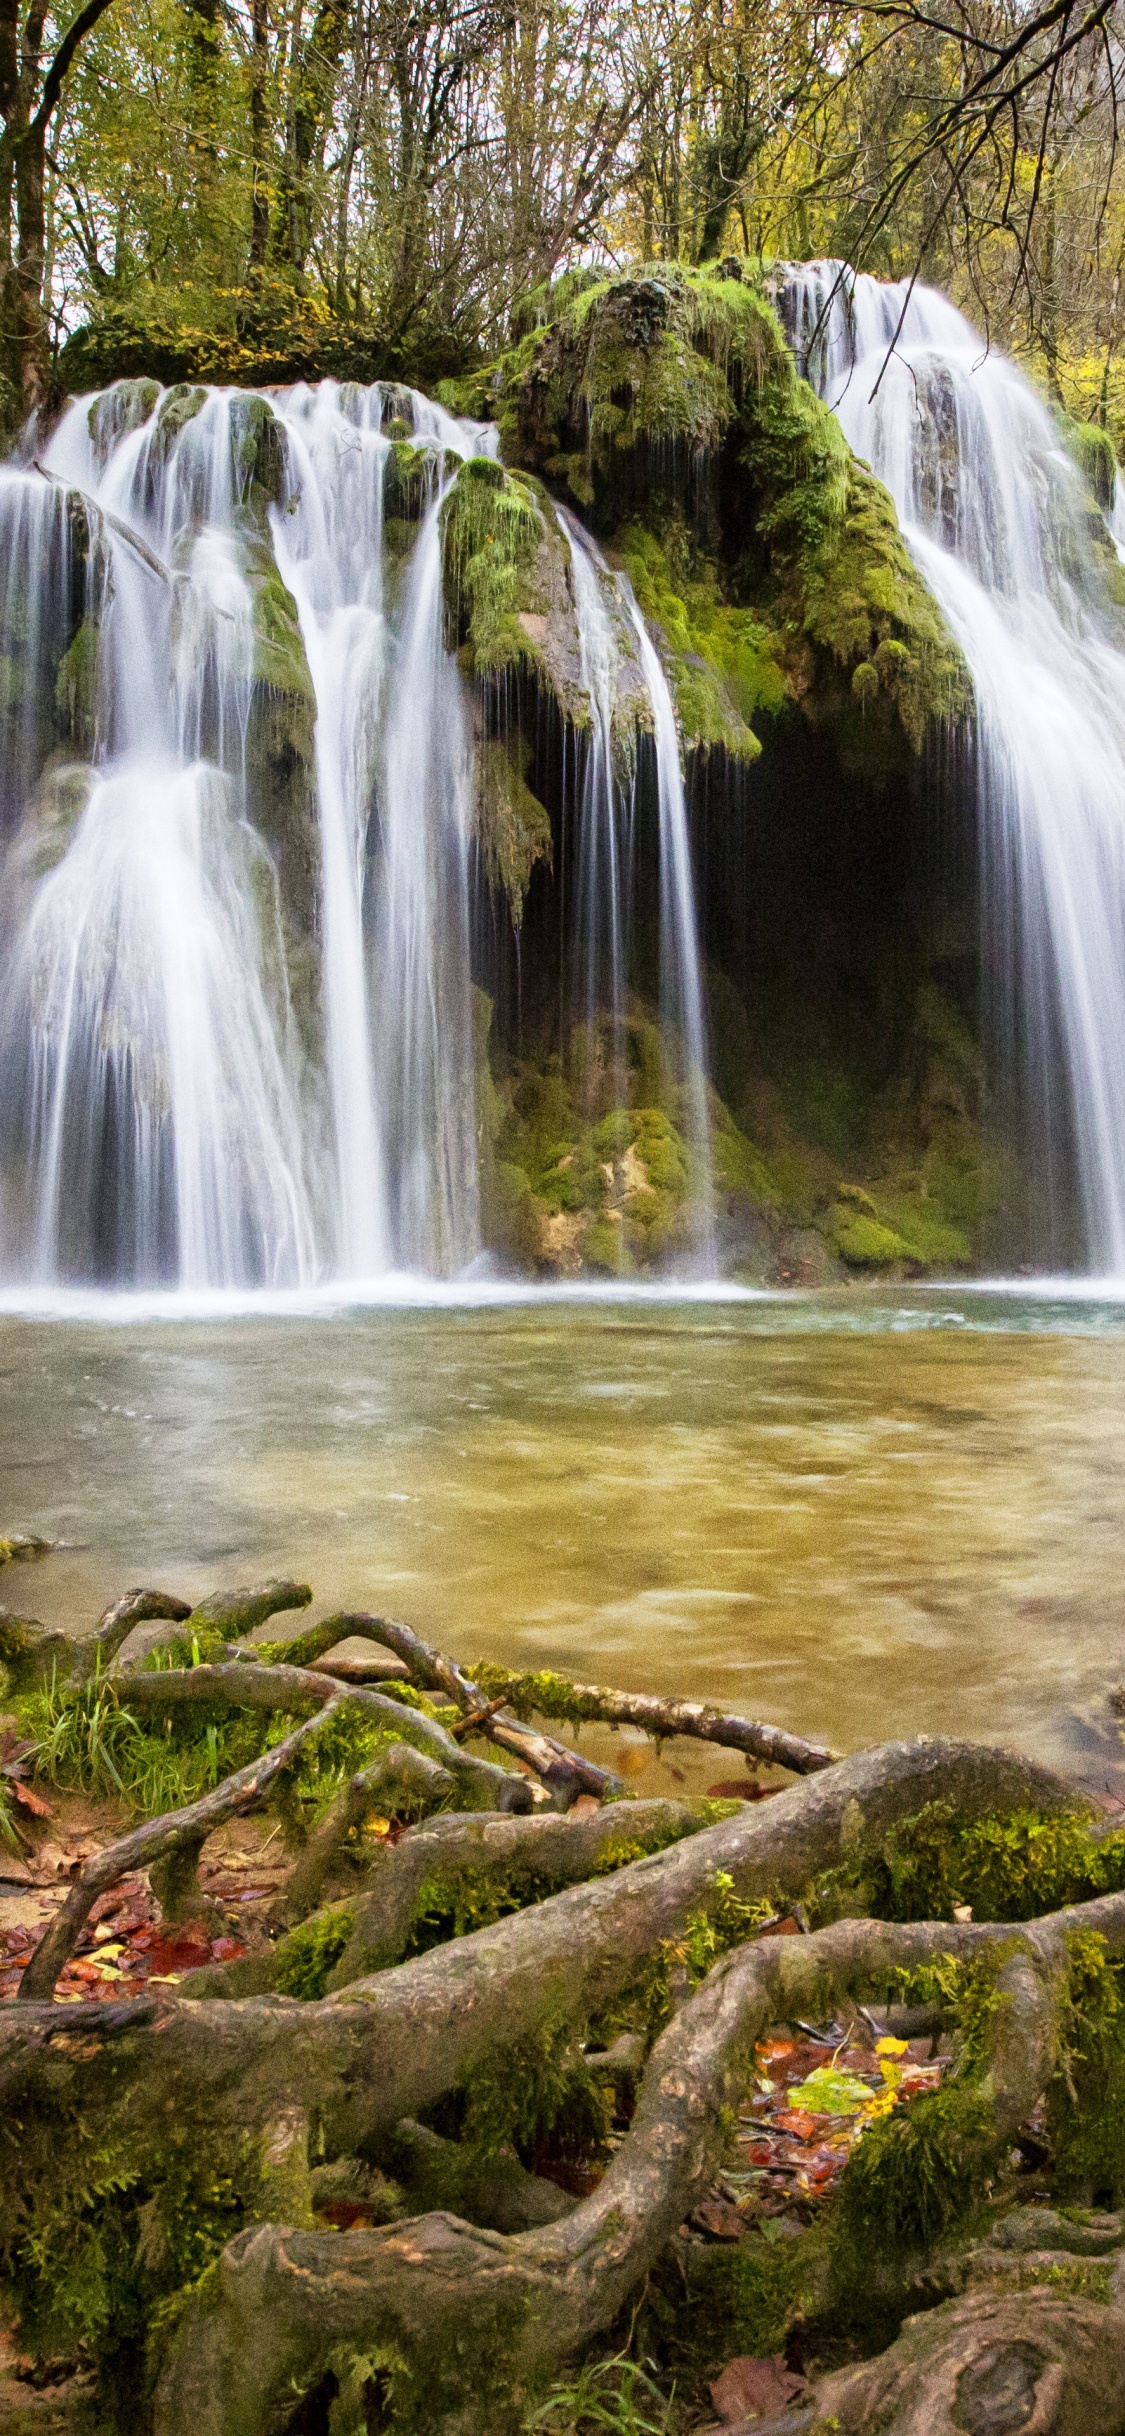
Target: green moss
{"x": 631, "y": 395}
{"x": 178, "y": 407}
{"x": 1086, "y": 2097}
{"x": 513, "y": 829}
{"x": 721, "y": 660}
{"x": 279, "y": 650}
{"x": 909, "y": 2179}
{"x": 711, "y": 2302}
{"x": 1012, "y": 1868}
{"x": 408, "y": 480}
{"x": 866, "y": 606}
{"x": 491, "y": 528}
{"x": 863, "y": 1243}
{"x": 305, "y": 1959}
{"x": 538, "y": 2098}
{"x": 76, "y": 687}
{"x": 120, "y": 409}
{"x": 738, "y": 1168}
{"x": 1093, "y": 452}
{"x": 646, "y": 355}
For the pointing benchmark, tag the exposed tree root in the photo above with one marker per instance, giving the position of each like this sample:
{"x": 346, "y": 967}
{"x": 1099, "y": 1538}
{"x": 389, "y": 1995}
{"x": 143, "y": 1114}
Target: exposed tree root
{"x": 391, "y": 2044}
{"x": 1040, "y": 2363}
{"x": 282, "y": 2306}
{"x": 35, "y": 1652}
{"x": 399, "y": 1778}
{"x": 246, "y": 1683}
{"x": 470, "y": 1862}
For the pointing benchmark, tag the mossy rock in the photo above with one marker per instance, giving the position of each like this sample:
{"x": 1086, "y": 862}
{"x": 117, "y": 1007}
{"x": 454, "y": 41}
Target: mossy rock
{"x": 76, "y": 688}
{"x": 492, "y": 523}
{"x": 259, "y": 452}
{"x": 665, "y": 403}
{"x": 118, "y": 410}
{"x": 408, "y": 480}
{"x": 865, "y": 1243}
{"x": 178, "y": 407}
{"x": 1094, "y": 454}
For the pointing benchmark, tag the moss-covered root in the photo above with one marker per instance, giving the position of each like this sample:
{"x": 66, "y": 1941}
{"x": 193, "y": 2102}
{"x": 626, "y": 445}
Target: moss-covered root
{"x": 1040, "y": 2360}
{"x": 460, "y": 1874}
{"x": 394, "y": 2043}
{"x": 400, "y": 1780}
{"x": 33, "y": 1652}
{"x": 281, "y": 2307}
{"x": 479, "y": 1783}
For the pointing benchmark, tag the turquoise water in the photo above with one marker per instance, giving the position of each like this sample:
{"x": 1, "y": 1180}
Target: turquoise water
{"x": 857, "y": 1514}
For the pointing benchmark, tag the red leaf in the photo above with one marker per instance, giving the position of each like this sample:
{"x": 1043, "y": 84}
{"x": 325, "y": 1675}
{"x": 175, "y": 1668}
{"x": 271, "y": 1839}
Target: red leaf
{"x": 226, "y": 1949}
{"x": 31, "y": 1801}
{"x": 720, "y": 2219}
{"x": 757, "y": 2389}
{"x": 177, "y": 1954}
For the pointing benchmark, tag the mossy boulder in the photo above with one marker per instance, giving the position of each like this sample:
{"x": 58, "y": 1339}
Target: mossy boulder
{"x": 666, "y": 405}
{"x": 117, "y": 411}
{"x": 409, "y": 475}
{"x": 492, "y": 525}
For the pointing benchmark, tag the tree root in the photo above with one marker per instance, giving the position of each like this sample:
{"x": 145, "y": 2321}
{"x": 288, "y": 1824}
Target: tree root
{"x": 556, "y": 1696}
{"x": 34, "y": 1652}
{"x": 246, "y": 1683}
{"x": 399, "y": 1779}
{"x": 1042, "y": 2361}
{"x": 390, "y": 2045}
{"x": 282, "y": 2306}
{"x": 452, "y": 1867}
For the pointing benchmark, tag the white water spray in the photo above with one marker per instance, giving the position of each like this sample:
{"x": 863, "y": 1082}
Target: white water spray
{"x": 996, "y": 517}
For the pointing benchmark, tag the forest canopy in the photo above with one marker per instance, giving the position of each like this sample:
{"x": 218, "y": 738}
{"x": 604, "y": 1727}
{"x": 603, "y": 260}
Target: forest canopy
{"x": 259, "y": 189}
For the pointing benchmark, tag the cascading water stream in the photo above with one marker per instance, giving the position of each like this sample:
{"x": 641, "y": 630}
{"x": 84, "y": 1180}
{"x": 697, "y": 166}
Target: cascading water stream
{"x": 612, "y": 630}
{"x": 148, "y": 1096}
{"x": 995, "y": 516}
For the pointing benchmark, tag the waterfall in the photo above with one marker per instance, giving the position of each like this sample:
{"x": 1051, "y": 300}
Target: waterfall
{"x": 997, "y": 520}
{"x": 626, "y": 688}
{"x": 681, "y": 989}
{"x": 236, "y": 1025}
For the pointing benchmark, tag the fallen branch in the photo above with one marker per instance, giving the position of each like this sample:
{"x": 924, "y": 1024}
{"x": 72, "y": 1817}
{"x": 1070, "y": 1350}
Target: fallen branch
{"x": 565, "y": 1773}
{"x": 555, "y": 1696}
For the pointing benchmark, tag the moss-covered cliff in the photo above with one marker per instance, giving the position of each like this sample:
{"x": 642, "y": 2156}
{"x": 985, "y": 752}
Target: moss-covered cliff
{"x": 817, "y": 689}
